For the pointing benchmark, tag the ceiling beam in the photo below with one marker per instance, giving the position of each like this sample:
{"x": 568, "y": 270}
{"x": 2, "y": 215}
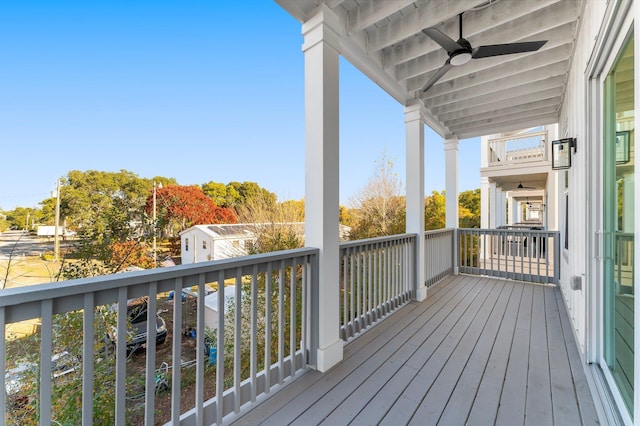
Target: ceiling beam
{"x": 551, "y": 103}
{"x": 498, "y": 96}
{"x": 489, "y": 87}
{"x": 473, "y": 123}
{"x": 436, "y": 12}
{"x": 370, "y": 12}
{"x": 480, "y": 131}
{"x": 499, "y": 104}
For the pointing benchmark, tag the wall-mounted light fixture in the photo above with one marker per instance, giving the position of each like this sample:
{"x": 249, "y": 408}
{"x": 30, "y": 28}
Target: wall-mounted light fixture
{"x": 561, "y": 153}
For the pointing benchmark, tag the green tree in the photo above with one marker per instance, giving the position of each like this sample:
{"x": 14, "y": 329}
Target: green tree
{"x": 435, "y": 211}
{"x": 239, "y": 195}
{"x": 217, "y": 191}
{"x": 23, "y": 218}
{"x": 469, "y": 208}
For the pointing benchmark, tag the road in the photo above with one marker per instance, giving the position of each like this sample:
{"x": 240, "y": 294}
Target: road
{"x": 21, "y": 244}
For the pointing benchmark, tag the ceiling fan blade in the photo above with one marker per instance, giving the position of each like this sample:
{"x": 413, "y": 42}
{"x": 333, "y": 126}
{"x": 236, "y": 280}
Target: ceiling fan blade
{"x": 506, "y": 49}
{"x": 437, "y": 76}
{"x": 442, "y": 39}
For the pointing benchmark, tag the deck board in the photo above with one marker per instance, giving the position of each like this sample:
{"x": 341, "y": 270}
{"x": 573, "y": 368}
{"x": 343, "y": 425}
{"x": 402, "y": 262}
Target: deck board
{"x": 477, "y": 351}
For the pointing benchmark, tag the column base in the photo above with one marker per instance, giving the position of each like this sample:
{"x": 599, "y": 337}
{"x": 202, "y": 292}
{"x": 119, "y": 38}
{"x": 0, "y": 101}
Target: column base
{"x": 330, "y": 355}
{"x": 421, "y": 294}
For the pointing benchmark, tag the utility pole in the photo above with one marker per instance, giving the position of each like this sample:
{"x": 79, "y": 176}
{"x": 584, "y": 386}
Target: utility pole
{"x": 56, "y": 238}
{"x": 155, "y": 223}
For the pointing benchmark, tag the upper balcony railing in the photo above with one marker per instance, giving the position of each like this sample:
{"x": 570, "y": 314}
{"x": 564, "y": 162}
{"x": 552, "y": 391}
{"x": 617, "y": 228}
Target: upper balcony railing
{"x": 259, "y": 341}
{"x": 264, "y": 330}
{"x": 376, "y": 278}
{"x": 517, "y": 149}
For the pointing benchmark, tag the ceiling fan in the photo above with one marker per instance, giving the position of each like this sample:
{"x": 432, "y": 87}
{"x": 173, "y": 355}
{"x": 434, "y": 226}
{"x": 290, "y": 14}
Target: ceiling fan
{"x": 460, "y": 52}
{"x": 521, "y": 186}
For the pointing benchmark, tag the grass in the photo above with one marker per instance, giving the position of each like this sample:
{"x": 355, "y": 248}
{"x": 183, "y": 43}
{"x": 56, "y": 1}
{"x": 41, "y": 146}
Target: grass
{"x": 28, "y": 270}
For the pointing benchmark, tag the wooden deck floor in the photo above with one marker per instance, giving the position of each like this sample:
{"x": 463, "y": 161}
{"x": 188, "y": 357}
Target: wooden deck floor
{"x": 477, "y": 351}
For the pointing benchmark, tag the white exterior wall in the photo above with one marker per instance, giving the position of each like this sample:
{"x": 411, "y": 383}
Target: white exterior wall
{"x": 573, "y": 123}
{"x": 196, "y": 253}
{"x": 217, "y": 248}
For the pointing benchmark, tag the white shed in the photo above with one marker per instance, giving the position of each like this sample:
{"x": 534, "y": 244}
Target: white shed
{"x": 211, "y": 305}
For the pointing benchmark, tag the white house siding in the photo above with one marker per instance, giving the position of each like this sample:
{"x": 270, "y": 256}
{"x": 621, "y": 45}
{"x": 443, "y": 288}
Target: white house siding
{"x": 196, "y": 253}
{"x": 574, "y": 123}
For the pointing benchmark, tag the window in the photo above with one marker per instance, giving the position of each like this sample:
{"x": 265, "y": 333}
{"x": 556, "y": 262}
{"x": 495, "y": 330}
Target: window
{"x": 204, "y": 244}
{"x": 186, "y": 244}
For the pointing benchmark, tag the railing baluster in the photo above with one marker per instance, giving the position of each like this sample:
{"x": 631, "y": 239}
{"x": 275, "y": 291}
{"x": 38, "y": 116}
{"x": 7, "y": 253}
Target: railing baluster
{"x": 200, "y": 344}
{"x": 281, "y": 323}
{"x": 358, "y": 291}
{"x": 267, "y": 331}
{"x": 370, "y": 304}
{"x": 304, "y": 319}
{"x": 220, "y": 353}
{"x": 88, "y": 334}
{"x": 352, "y": 274}
{"x": 237, "y": 342}
{"x": 176, "y": 351}
{"x": 254, "y": 332}
{"x": 150, "y": 374}
{"x": 376, "y": 281}
{"x": 345, "y": 304}
{"x": 292, "y": 317}
{"x": 46, "y": 345}
{"x": 121, "y": 357}
{"x": 3, "y": 364}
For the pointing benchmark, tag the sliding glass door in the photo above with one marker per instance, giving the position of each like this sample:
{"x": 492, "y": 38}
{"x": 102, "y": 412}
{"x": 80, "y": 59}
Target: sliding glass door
{"x": 619, "y": 215}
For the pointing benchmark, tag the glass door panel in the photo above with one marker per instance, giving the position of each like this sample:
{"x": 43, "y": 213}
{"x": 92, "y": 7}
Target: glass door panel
{"x": 619, "y": 181}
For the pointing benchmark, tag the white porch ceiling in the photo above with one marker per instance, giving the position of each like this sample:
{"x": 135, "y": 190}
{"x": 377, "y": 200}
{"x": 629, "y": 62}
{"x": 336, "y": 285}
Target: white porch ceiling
{"x": 384, "y": 39}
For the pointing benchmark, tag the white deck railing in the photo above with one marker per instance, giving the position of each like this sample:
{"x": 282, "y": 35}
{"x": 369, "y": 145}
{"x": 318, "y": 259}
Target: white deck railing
{"x": 524, "y": 254}
{"x": 439, "y": 251}
{"x": 376, "y": 277}
{"x": 529, "y": 147}
{"x": 272, "y": 307}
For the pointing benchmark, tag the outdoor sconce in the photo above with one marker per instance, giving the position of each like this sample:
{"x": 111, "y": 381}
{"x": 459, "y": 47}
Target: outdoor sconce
{"x": 561, "y": 153}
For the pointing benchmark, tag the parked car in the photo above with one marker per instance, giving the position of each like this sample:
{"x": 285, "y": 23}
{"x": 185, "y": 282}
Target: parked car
{"x": 62, "y": 364}
{"x": 137, "y": 310}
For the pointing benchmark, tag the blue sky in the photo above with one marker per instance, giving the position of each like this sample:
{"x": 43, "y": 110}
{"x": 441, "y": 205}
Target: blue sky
{"x": 197, "y": 91}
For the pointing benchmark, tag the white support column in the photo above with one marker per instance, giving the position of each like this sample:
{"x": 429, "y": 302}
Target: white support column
{"x": 499, "y": 207}
{"x": 451, "y": 181}
{"x": 513, "y": 214}
{"x": 484, "y": 203}
{"x": 321, "y": 58}
{"x": 492, "y": 205}
{"x": 414, "y": 125}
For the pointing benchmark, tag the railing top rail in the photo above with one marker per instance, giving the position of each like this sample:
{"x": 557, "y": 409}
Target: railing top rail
{"x": 438, "y": 231}
{"x": 542, "y": 133}
{"x": 523, "y": 231}
{"x": 62, "y": 289}
{"x": 376, "y": 240}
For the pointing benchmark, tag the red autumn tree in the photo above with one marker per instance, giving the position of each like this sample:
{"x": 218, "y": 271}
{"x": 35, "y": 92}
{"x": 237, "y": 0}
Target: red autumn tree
{"x": 128, "y": 253}
{"x": 185, "y": 206}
